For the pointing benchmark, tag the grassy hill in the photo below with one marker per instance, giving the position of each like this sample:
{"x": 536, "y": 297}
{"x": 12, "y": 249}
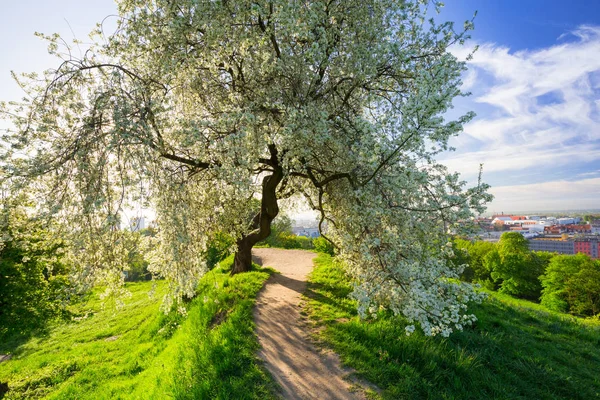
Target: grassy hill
{"x": 137, "y": 352}
{"x": 516, "y": 350}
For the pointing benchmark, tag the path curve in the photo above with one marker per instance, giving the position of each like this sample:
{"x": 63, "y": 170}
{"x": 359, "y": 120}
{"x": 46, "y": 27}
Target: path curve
{"x": 300, "y": 370}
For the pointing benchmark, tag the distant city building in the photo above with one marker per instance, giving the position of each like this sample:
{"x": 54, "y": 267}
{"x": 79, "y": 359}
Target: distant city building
{"x": 579, "y": 228}
{"x": 552, "y": 230}
{"x": 510, "y": 220}
{"x": 307, "y": 232}
{"x": 566, "y": 221}
{"x": 502, "y": 220}
{"x": 570, "y": 228}
{"x": 569, "y": 245}
{"x": 305, "y": 223}
{"x": 544, "y": 232}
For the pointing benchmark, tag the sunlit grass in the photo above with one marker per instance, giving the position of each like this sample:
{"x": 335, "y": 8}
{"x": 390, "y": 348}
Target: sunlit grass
{"x": 218, "y": 361}
{"x": 516, "y": 350}
{"x": 137, "y": 352}
{"x": 78, "y": 359}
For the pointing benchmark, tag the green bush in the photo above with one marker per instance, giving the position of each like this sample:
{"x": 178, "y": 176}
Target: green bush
{"x": 289, "y": 241}
{"x": 137, "y": 264}
{"x": 514, "y": 269}
{"x": 33, "y": 275}
{"x": 473, "y": 254}
{"x": 572, "y": 284}
{"x": 218, "y": 249}
{"x": 322, "y": 245}
{"x": 138, "y": 268}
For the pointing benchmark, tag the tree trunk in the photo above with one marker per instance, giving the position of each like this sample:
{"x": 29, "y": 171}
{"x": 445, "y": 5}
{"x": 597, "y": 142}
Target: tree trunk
{"x": 262, "y": 221}
{"x": 242, "y": 261}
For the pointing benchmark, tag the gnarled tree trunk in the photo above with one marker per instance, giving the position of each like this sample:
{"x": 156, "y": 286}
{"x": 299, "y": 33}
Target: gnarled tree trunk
{"x": 262, "y": 221}
{"x": 243, "y": 256}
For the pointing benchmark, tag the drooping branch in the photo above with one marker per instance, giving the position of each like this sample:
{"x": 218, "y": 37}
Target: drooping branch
{"x": 187, "y": 161}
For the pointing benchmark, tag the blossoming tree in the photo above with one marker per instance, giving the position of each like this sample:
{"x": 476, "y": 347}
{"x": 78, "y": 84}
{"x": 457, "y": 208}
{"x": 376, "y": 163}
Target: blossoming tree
{"x": 201, "y": 108}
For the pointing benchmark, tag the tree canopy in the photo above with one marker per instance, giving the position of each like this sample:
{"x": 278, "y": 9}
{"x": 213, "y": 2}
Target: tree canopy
{"x": 572, "y": 284}
{"x": 34, "y": 277}
{"x": 473, "y": 254}
{"x": 514, "y": 267}
{"x": 200, "y": 108}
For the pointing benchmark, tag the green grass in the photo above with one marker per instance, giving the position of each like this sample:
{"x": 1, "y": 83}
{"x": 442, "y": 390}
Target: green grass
{"x": 219, "y": 359}
{"x": 137, "y": 352}
{"x": 516, "y": 350}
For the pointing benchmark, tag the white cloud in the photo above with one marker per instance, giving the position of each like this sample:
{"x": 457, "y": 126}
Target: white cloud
{"x": 557, "y": 195}
{"x": 537, "y": 110}
{"x": 470, "y": 79}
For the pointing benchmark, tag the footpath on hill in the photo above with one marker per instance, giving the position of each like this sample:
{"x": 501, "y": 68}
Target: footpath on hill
{"x": 300, "y": 370}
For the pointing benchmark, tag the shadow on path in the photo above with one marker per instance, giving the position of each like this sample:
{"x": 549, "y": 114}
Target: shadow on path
{"x": 301, "y": 371}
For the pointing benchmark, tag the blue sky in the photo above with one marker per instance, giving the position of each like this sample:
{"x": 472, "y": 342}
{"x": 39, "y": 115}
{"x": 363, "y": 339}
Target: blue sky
{"x": 535, "y": 84}
{"x": 523, "y": 24}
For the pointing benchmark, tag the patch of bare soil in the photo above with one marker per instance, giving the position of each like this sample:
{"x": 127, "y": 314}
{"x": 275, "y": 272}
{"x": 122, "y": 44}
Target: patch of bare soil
{"x": 300, "y": 370}
{"x": 217, "y": 319}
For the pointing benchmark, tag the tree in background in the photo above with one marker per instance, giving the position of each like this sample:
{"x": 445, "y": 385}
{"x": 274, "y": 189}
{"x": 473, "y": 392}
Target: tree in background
{"x": 200, "y": 108}
{"x": 34, "y": 276}
{"x": 473, "y": 253}
{"x": 281, "y": 224}
{"x": 572, "y": 284}
{"x": 139, "y": 244}
{"x": 583, "y": 290}
{"x": 514, "y": 268}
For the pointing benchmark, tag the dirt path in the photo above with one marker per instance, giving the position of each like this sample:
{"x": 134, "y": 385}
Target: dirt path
{"x": 300, "y": 370}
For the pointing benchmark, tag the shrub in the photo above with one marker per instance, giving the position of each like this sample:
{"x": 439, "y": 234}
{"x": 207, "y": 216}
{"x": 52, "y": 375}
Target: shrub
{"x": 33, "y": 276}
{"x": 572, "y": 284}
{"x": 137, "y": 264}
{"x": 514, "y": 268}
{"x": 138, "y": 268}
{"x": 473, "y": 254}
{"x": 290, "y": 241}
{"x": 322, "y": 245}
{"x": 218, "y": 249}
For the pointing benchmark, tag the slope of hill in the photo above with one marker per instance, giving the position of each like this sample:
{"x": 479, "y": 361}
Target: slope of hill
{"x": 516, "y": 350}
{"x": 137, "y": 352}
